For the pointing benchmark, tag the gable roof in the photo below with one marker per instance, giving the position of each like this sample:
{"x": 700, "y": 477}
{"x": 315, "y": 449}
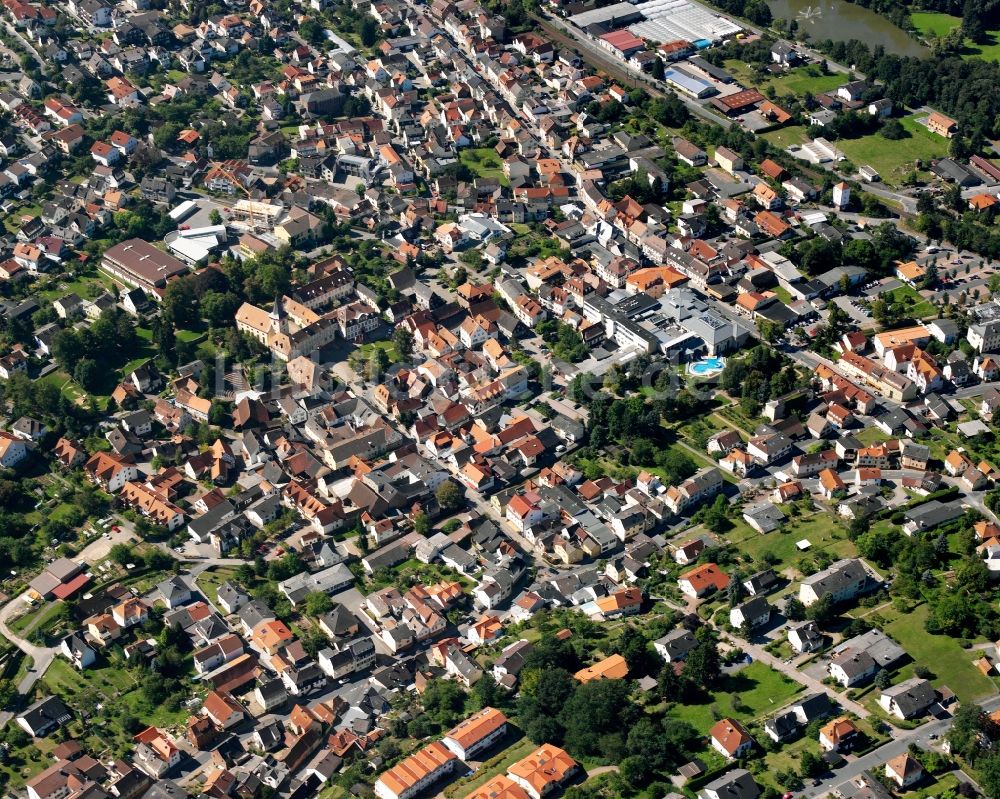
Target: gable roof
{"x": 611, "y": 668}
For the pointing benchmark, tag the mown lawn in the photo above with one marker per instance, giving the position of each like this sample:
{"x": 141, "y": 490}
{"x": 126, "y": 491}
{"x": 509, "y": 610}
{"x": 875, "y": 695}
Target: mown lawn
{"x": 787, "y": 136}
{"x": 208, "y": 581}
{"x": 916, "y": 306}
{"x": 161, "y": 716}
{"x": 485, "y": 163}
{"x": 37, "y": 618}
{"x": 870, "y": 435}
{"x": 498, "y": 764}
{"x": 990, "y": 51}
{"x": 71, "y": 390}
{"x": 189, "y": 336}
{"x": 802, "y": 80}
{"x": 782, "y": 294}
{"x": 608, "y": 466}
{"x": 821, "y": 530}
{"x": 786, "y": 760}
{"x": 944, "y": 656}
{"x": 85, "y": 287}
{"x": 806, "y": 80}
{"x": 753, "y": 692}
{"x": 931, "y": 23}
{"x": 364, "y": 352}
{"x": 63, "y": 679}
{"x": 945, "y": 785}
{"x": 894, "y": 160}
{"x": 110, "y": 682}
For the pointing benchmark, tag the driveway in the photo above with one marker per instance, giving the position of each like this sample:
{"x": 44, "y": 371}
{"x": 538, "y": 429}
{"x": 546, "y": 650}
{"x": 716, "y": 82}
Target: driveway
{"x": 41, "y": 655}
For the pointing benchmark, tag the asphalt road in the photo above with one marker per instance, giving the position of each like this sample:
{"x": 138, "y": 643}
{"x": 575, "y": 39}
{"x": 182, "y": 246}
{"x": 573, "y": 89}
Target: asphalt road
{"x": 922, "y": 737}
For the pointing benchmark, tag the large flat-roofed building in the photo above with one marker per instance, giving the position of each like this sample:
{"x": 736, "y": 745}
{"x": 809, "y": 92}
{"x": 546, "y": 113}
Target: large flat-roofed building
{"x": 609, "y": 17}
{"x": 138, "y": 263}
{"x": 689, "y": 84}
{"x": 669, "y": 20}
{"x": 622, "y": 43}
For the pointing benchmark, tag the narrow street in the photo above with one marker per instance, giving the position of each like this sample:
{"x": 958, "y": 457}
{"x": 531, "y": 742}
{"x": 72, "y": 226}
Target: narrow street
{"x": 924, "y": 736}
{"x": 12, "y": 31}
{"x": 41, "y": 655}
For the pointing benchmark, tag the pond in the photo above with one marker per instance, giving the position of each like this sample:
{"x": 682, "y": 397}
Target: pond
{"x": 840, "y": 20}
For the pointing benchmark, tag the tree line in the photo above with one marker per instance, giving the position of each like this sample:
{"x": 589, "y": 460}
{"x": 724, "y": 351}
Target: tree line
{"x": 961, "y": 88}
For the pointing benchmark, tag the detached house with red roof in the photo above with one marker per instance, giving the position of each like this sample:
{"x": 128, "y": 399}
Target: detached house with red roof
{"x": 983, "y": 202}
{"x": 703, "y": 580}
{"x": 64, "y": 113}
{"x": 730, "y": 739}
{"x": 155, "y": 752}
{"x": 839, "y": 735}
{"x": 125, "y": 143}
{"x": 104, "y": 154}
{"x": 623, "y": 602}
{"x": 223, "y": 709}
{"x": 523, "y": 513}
{"x": 122, "y": 92}
{"x": 69, "y": 453}
{"x": 543, "y": 771}
{"x": 109, "y": 471}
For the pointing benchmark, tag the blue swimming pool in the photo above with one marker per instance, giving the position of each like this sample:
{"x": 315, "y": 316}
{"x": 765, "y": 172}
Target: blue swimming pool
{"x": 707, "y": 366}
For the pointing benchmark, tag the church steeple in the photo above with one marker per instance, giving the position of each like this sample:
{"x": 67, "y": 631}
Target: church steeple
{"x": 277, "y": 314}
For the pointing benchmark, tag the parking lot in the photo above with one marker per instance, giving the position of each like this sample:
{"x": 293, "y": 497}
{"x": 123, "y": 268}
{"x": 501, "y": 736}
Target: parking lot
{"x": 853, "y": 308}
{"x": 201, "y": 217}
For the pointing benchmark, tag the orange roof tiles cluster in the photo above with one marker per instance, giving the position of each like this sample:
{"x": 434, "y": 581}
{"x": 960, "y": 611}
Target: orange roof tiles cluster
{"x": 611, "y": 668}
{"x": 499, "y": 787}
{"x": 417, "y": 767}
{"x": 548, "y": 764}
{"x": 475, "y": 728}
{"x": 706, "y": 575}
{"x": 730, "y": 735}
